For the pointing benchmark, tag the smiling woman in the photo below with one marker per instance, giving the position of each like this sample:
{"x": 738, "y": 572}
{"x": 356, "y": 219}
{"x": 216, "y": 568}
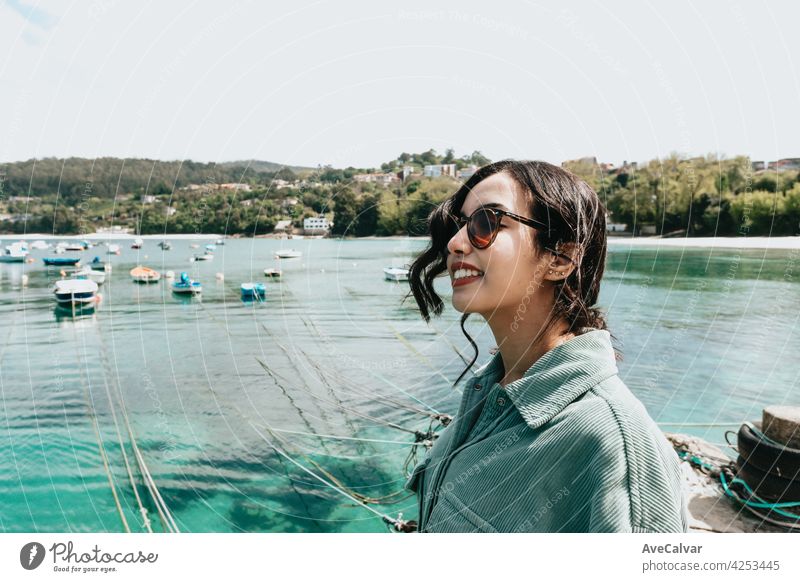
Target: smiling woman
{"x": 547, "y": 436}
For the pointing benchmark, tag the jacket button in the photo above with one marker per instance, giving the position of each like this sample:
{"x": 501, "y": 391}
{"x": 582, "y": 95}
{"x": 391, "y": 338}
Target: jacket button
{"x": 501, "y": 401}
{"x": 478, "y": 386}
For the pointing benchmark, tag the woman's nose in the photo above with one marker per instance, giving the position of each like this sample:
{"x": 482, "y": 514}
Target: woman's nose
{"x": 460, "y": 242}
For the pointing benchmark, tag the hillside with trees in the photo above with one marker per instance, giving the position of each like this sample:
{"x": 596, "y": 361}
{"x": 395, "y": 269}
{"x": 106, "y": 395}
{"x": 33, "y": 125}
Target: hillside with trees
{"x": 705, "y": 196}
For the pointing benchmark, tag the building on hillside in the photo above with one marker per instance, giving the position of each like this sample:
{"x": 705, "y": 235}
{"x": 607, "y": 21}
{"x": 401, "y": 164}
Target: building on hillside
{"x": 316, "y": 225}
{"x": 467, "y": 172}
{"x": 438, "y": 170}
{"x": 283, "y": 226}
{"x": 786, "y": 164}
{"x": 377, "y": 178}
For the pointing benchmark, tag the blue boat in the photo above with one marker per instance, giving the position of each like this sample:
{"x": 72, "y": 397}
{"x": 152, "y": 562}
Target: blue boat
{"x": 61, "y": 261}
{"x": 186, "y": 286}
{"x": 253, "y": 291}
{"x": 97, "y": 264}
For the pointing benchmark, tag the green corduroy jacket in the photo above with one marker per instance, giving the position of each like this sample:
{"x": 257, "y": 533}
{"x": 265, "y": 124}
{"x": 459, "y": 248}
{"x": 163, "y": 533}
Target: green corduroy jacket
{"x": 565, "y": 448}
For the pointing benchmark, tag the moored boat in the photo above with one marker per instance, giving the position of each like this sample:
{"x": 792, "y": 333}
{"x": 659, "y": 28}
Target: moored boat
{"x": 69, "y": 292}
{"x": 204, "y": 257}
{"x": 113, "y": 249}
{"x": 142, "y": 274}
{"x": 288, "y": 254}
{"x": 395, "y": 273}
{"x": 80, "y": 245}
{"x": 165, "y": 245}
{"x": 98, "y": 265}
{"x": 186, "y": 286}
{"x": 61, "y": 261}
{"x": 14, "y": 253}
{"x": 272, "y": 273}
{"x": 253, "y": 291}
{"x": 86, "y": 272}
{"x": 137, "y": 243}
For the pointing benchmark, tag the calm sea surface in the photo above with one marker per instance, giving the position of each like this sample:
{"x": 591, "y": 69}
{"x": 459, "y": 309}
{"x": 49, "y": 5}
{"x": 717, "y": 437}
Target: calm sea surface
{"x": 202, "y": 387}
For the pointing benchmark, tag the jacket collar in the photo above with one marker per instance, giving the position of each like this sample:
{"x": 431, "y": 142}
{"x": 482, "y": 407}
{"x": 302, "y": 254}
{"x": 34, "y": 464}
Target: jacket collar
{"x": 559, "y": 377}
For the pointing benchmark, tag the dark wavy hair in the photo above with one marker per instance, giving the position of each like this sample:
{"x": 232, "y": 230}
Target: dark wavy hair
{"x": 556, "y": 197}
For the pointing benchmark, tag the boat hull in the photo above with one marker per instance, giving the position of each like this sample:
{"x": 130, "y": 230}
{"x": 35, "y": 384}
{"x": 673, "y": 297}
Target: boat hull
{"x": 86, "y": 298}
{"x": 61, "y": 262}
{"x": 395, "y": 274}
{"x": 253, "y": 291}
{"x": 194, "y": 290}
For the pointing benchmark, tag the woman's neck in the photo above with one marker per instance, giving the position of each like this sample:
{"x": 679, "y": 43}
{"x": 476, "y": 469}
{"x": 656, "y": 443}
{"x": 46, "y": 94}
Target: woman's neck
{"x": 517, "y": 347}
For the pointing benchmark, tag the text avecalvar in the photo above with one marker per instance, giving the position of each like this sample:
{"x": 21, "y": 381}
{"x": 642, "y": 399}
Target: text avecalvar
{"x": 671, "y": 549}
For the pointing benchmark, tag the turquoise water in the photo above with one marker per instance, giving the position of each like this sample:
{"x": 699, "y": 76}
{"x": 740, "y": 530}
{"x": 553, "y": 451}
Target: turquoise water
{"x": 707, "y": 337}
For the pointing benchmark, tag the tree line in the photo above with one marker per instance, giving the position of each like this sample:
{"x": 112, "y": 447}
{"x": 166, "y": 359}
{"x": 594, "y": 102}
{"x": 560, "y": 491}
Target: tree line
{"x": 705, "y": 196}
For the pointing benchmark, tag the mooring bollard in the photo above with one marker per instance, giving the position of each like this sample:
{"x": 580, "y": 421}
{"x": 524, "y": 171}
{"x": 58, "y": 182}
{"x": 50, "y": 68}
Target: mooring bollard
{"x": 782, "y": 424}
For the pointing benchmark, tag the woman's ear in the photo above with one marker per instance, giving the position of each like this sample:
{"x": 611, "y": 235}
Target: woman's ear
{"x": 564, "y": 260}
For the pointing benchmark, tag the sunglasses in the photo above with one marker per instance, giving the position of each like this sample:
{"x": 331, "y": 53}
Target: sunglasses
{"x": 484, "y": 224}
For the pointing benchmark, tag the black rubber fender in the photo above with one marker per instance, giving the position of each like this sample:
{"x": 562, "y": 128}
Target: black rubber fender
{"x": 768, "y": 485}
{"x": 766, "y": 456}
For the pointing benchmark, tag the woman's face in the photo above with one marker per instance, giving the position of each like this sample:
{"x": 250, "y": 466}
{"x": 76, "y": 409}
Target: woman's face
{"x": 510, "y": 270}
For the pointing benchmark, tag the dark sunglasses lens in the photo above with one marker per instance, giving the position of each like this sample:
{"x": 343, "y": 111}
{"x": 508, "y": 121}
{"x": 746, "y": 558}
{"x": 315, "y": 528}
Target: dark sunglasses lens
{"x": 482, "y": 227}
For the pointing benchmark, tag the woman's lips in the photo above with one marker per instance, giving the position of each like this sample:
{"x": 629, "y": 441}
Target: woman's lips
{"x": 465, "y": 280}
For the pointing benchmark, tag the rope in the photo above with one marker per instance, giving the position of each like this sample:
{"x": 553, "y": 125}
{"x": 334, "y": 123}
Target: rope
{"x": 397, "y": 523}
{"x": 759, "y": 503}
{"x": 99, "y": 437}
{"x": 310, "y": 324}
{"x": 748, "y": 503}
{"x": 365, "y": 392}
{"x": 700, "y": 424}
{"x": 164, "y": 513}
{"x": 346, "y": 438}
{"x": 142, "y": 509}
{"x": 385, "y": 499}
{"x": 349, "y": 409}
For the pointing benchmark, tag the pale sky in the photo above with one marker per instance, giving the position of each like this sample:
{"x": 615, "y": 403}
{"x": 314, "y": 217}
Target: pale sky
{"x": 356, "y": 83}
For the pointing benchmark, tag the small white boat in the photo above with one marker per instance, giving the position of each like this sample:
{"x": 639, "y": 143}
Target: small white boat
{"x": 75, "y": 292}
{"x": 87, "y": 272}
{"x": 220, "y": 241}
{"x": 288, "y": 254}
{"x": 142, "y": 274}
{"x": 39, "y": 245}
{"x": 273, "y": 273}
{"x": 203, "y": 257}
{"x": 137, "y": 243}
{"x": 113, "y": 249}
{"x": 395, "y": 273}
{"x": 211, "y": 248}
{"x": 14, "y": 253}
{"x": 75, "y": 246}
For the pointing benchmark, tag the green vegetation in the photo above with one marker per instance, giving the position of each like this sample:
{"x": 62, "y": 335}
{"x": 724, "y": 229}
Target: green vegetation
{"x": 704, "y": 196}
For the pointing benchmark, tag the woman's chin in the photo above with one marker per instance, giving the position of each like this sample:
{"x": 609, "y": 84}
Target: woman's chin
{"x": 465, "y": 304}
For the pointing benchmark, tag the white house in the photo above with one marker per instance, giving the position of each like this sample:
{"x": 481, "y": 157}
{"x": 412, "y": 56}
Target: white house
{"x": 316, "y": 225}
{"x": 466, "y": 173}
{"x": 437, "y": 170}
